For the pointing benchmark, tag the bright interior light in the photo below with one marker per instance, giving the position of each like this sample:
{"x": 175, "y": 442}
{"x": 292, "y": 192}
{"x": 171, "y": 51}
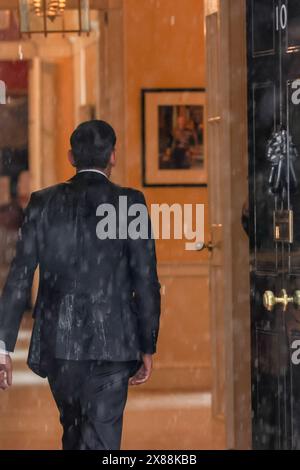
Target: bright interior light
{"x": 54, "y": 7}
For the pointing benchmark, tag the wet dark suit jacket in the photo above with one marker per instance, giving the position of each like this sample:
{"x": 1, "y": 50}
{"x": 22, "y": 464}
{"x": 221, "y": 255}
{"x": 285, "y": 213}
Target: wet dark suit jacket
{"x": 97, "y": 299}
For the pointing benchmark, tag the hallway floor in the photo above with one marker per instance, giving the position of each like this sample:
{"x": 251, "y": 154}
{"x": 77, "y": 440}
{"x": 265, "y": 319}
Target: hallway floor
{"x": 153, "y": 420}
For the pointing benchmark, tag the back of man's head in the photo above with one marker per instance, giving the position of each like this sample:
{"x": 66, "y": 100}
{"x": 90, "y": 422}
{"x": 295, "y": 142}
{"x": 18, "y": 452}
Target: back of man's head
{"x": 92, "y": 144}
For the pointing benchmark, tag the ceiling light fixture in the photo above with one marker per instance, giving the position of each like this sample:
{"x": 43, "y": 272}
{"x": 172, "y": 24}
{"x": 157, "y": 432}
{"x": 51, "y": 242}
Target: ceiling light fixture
{"x": 49, "y": 16}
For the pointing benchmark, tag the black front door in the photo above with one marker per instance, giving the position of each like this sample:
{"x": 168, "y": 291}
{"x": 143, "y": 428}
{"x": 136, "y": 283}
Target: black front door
{"x": 274, "y": 181}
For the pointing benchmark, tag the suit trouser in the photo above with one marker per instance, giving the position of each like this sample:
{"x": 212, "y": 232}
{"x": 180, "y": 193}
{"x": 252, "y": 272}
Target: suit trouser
{"x": 91, "y": 397}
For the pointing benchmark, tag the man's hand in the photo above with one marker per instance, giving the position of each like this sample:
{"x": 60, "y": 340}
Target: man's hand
{"x": 5, "y": 371}
{"x": 144, "y": 372}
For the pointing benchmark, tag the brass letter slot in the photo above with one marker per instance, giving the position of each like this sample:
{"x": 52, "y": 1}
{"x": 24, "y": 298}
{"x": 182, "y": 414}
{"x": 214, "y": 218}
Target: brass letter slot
{"x": 283, "y": 226}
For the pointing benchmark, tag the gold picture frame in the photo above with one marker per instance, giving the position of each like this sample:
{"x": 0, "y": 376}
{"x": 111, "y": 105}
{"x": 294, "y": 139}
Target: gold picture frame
{"x": 174, "y": 137}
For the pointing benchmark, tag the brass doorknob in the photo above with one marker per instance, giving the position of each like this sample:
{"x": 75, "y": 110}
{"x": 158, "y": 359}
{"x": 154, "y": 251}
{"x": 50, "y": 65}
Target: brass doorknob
{"x": 205, "y": 246}
{"x": 270, "y": 300}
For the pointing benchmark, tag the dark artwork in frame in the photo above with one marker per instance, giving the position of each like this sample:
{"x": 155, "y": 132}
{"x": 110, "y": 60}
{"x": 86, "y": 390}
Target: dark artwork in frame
{"x": 173, "y": 135}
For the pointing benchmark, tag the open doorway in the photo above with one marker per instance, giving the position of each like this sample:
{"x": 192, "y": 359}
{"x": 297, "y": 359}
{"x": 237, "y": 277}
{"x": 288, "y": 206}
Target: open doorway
{"x": 204, "y": 294}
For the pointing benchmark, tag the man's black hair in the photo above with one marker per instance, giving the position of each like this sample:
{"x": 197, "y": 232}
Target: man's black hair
{"x": 92, "y": 144}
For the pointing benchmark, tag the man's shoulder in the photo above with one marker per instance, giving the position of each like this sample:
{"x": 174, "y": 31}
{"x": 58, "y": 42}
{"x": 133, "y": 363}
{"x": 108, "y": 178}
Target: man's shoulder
{"x": 42, "y": 195}
{"x": 134, "y": 195}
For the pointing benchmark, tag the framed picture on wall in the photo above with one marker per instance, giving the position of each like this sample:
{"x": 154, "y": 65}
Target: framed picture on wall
{"x": 174, "y": 138}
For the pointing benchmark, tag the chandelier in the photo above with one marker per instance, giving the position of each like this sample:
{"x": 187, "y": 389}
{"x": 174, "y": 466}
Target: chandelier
{"x": 53, "y": 8}
{"x": 54, "y": 16}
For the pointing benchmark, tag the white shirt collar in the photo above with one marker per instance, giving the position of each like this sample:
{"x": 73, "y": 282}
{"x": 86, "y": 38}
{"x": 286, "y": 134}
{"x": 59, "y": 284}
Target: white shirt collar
{"x": 94, "y": 171}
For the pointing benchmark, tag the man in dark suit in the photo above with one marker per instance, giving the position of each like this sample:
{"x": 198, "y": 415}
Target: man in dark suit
{"x": 96, "y": 318}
